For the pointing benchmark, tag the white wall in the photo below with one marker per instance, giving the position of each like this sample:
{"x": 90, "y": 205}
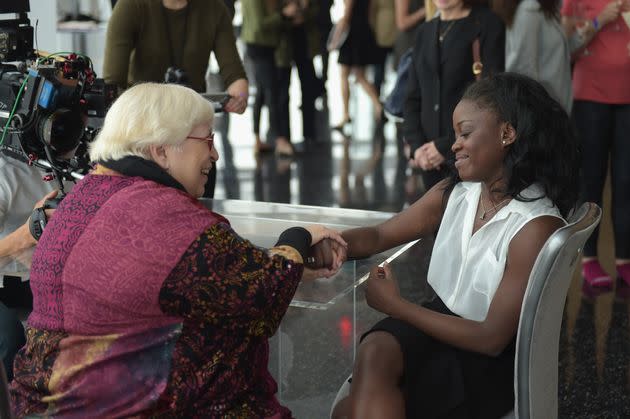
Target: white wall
{"x": 44, "y": 14}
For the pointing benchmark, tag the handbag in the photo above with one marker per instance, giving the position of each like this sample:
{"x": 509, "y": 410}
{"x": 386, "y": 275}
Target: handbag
{"x": 395, "y": 102}
{"x": 477, "y": 67}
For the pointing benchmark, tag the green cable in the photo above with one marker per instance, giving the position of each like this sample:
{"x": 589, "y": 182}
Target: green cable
{"x": 17, "y": 100}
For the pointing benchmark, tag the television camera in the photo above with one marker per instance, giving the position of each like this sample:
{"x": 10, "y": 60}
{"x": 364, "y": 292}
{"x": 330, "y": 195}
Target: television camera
{"x": 51, "y": 105}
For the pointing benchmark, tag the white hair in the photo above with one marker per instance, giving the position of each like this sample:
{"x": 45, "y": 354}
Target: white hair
{"x": 149, "y": 114}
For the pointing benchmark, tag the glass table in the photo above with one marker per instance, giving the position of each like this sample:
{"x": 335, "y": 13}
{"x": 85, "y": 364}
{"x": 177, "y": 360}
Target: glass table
{"x": 262, "y": 223}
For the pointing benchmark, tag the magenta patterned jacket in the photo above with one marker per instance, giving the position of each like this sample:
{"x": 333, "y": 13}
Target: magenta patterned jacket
{"x": 146, "y": 304}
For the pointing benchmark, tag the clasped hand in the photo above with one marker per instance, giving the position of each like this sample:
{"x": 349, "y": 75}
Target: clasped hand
{"x": 427, "y": 157}
{"x": 327, "y": 253}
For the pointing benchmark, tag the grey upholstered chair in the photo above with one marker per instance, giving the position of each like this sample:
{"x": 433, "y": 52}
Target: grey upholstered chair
{"x": 537, "y": 341}
{"x": 5, "y": 408}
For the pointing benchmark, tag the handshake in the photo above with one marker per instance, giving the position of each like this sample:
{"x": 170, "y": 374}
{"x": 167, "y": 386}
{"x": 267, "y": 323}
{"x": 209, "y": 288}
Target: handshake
{"x": 327, "y": 253}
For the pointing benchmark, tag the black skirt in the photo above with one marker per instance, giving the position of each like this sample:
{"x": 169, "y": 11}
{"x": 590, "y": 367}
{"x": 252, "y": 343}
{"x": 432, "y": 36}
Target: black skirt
{"x": 360, "y": 48}
{"x": 441, "y": 381}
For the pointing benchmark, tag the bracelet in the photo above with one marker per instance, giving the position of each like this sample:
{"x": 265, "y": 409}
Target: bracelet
{"x": 596, "y": 24}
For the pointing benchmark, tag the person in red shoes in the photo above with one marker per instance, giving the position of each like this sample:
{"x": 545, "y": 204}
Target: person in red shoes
{"x": 601, "y": 111}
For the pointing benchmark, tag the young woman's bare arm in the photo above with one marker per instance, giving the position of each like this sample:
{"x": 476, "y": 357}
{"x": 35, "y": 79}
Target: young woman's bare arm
{"x": 420, "y": 219}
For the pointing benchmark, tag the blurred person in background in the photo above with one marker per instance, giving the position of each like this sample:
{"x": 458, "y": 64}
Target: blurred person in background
{"x": 21, "y": 185}
{"x": 262, "y": 22}
{"x": 15, "y": 293}
{"x": 357, "y": 52}
{"x": 409, "y": 15}
{"x": 324, "y": 25}
{"x": 383, "y": 23}
{"x": 536, "y": 45}
{"x": 299, "y": 44}
{"x": 441, "y": 71}
{"x": 145, "y": 38}
{"x": 601, "y": 111}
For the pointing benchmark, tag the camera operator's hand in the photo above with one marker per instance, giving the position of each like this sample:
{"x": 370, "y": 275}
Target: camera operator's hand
{"x": 238, "y": 91}
{"x": 25, "y": 228}
{"x": 41, "y": 202}
{"x": 21, "y": 239}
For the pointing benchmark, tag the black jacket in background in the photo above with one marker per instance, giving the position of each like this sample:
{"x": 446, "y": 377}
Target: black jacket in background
{"x": 439, "y": 76}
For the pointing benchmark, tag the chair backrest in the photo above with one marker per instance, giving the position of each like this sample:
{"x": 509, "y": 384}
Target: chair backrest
{"x": 5, "y": 407}
{"x": 537, "y": 342}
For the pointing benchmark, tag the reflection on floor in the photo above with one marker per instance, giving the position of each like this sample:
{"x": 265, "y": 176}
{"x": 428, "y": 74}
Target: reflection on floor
{"x": 362, "y": 169}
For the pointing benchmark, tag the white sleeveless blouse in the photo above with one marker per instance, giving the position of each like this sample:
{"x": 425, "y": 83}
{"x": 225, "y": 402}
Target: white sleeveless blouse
{"x": 465, "y": 270}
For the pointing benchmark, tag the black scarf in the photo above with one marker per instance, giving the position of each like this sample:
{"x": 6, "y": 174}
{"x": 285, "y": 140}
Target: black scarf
{"x": 147, "y": 169}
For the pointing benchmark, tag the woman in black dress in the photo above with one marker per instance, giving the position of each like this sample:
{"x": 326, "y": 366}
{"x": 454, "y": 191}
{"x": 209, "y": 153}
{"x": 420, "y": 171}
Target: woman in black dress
{"x": 358, "y": 51}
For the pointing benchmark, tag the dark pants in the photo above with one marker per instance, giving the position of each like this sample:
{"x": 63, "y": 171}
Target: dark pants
{"x": 14, "y": 296}
{"x": 11, "y": 338}
{"x": 604, "y": 133}
{"x": 265, "y": 74}
{"x": 284, "y": 120}
{"x": 259, "y": 101}
{"x": 308, "y": 83}
{"x": 379, "y": 70}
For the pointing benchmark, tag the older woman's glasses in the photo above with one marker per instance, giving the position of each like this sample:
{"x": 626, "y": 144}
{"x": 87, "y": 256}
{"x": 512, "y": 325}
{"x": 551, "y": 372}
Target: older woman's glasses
{"x": 209, "y": 139}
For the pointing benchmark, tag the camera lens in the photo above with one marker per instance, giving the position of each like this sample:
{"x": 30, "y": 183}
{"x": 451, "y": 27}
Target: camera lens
{"x": 61, "y": 130}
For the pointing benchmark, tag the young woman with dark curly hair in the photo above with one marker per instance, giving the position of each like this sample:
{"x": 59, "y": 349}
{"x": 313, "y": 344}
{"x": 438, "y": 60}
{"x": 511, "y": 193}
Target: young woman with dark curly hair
{"x": 513, "y": 184}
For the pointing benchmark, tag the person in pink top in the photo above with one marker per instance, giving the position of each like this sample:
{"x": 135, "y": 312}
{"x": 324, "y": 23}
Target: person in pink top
{"x": 146, "y": 303}
{"x": 600, "y": 40}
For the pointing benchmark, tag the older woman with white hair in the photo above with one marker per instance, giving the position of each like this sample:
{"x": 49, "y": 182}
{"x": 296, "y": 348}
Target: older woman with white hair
{"x": 145, "y": 302}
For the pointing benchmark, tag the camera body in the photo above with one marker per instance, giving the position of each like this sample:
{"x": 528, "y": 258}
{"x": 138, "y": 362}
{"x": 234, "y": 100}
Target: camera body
{"x": 16, "y": 39}
{"x": 46, "y": 103}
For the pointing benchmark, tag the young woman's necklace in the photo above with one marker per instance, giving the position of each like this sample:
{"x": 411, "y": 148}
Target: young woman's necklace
{"x": 448, "y": 28}
{"x": 494, "y": 208}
